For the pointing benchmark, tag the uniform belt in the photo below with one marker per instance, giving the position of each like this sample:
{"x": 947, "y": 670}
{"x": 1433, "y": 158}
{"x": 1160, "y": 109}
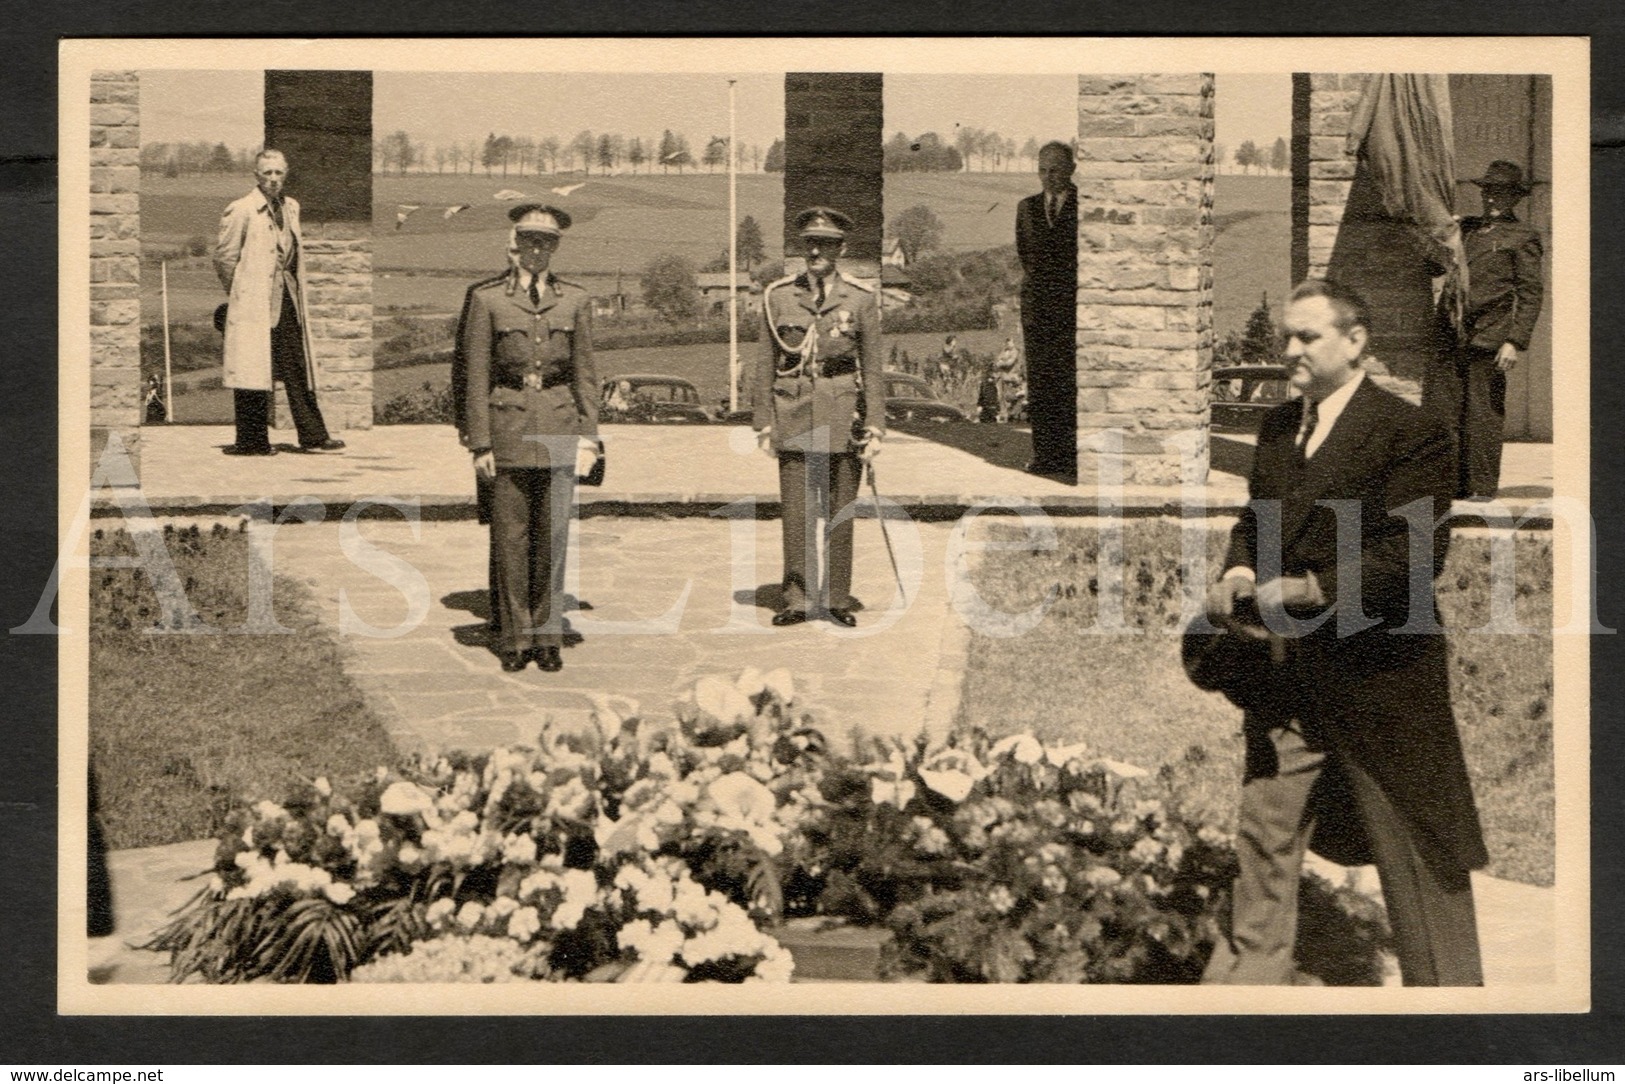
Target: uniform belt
{"x": 823, "y": 370}
{"x": 530, "y": 380}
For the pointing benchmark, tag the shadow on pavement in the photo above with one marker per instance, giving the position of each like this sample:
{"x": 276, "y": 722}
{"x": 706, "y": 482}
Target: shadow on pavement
{"x": 1001, "y": 445}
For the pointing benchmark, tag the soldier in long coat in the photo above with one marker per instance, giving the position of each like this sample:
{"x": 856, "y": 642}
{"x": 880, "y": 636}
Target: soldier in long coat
{"x": 1353, "y": 749}
{"x": 818, "y": 405}
{"x": 1466, "y": 380}
{"x": 1047, "y": 243}
{"x": 532, "y": 424}
{"x": 258, "y": 258}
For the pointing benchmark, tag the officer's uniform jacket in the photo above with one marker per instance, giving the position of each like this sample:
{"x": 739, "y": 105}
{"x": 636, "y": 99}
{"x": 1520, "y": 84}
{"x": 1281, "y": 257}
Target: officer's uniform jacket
{"x": 839, "y": 385}
{"x": 530, "y": 371}
{"x": 1506, "y": 284}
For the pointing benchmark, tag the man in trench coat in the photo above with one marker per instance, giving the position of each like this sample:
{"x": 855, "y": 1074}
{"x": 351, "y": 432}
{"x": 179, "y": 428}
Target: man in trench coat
{"x": 1047, "y": 243}
{"x": 1355, "y": 749}
{"x": 258, "y": 259}
{"x": 532, "y": 427}
{"x": 819, "y": 406}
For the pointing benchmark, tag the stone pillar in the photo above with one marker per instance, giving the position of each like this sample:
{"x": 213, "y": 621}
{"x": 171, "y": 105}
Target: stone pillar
{"x": 1145, "y": 275}
{"x": 115, "y": 265}
{"x": 322, "y": 121}
{"x": 1322, "y": 173}
{"x": 832, "y": 156}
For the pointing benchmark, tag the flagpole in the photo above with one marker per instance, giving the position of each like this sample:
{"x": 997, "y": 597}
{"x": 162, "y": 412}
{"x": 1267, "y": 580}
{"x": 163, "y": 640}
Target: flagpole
{"x": 169, "y": 383}
{"x": 733, "y": 257}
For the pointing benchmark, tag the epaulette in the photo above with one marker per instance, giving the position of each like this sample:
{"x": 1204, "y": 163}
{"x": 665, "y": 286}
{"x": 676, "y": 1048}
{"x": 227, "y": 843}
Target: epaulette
{"x": 854, "y": 282}
{"x": 774, "y": 285}
{"x": 560, "y": 284}
{"x": 494, "y": 280}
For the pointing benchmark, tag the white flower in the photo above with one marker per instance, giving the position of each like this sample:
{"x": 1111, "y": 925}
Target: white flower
{"x": 519, "y": 850}
{"x": 503, "y": 906}
{"x": 439, "y": 910}
{"x": 1061, "y": 755}
{"x": 1024, "y": 748}
{"x": 1000, "y": 899}
{"x": 776, "y": 964}
{"x": 469, "y": 914}
{"x": 721, "y": 701}
{"x": 405, "y": 799}
{"x": 1102, "y": 877}
{"x": 1122, "y": 770}
{"x": 952, "y": 785}
{"x": 338, "y": 825}
{"x": 572, "y": 800}
{"x": 1146, "y": 851}
{"x": 323, "y": 787}
{"x": 750, "y": 681}
{"x": 339, "y": 892}
{"x": 780, "y": 683}
{"x": 580, "y": 892}
{"x": 738, "y": 795}
{"x": 652, "y": 942}
{"x": 632, "y": 833}
{"x": 269, "y": 811}
{"x": 524, "y": 924}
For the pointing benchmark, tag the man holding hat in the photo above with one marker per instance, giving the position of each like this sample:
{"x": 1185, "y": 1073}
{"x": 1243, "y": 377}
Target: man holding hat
{"x": 819, "y": 407}
{"x": 532, "y": 426}
{"x": 1467, "y": 381}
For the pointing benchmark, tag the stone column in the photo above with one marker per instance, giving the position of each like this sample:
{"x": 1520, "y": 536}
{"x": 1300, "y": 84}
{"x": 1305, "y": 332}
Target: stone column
{"x": 1322, "y": 173}
{"x": 832, "y": 156}
{"x": 322, "y": 120}
{"x": 115, "y": 265}
{"x": 1145, "y": 274}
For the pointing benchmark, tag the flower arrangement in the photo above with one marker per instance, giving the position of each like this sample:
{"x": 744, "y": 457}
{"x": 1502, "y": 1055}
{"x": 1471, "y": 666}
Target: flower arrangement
{"x": 639, "y": 850}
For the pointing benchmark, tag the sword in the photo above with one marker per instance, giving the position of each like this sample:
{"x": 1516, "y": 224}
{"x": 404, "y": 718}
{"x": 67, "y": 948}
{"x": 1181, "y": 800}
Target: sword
{"x": 874, "y": 492}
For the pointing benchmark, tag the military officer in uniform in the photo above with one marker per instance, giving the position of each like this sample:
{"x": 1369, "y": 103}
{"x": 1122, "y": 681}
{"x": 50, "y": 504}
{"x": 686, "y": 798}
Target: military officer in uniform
{"x": 818, "y": 405}
{"x": 1467, "y": 380}
{"x": 532, "y": 421}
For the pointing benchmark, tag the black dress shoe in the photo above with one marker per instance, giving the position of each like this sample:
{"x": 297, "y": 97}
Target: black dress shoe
{"x": 237, "y": 449}
{"x": 843, "y": 618}
{"x": 548, "y": 659}
{"x": 328, "y": 445}
{"x": 789, "y": 617}
{"x": 514, "y": 661}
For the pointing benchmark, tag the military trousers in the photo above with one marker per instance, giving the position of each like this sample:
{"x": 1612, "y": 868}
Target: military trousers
{"x": 1430, "y": 909}
{"x": 530, "y": 531}
{"x": 1466, "y": 387}
{"x": 817, "y": 493}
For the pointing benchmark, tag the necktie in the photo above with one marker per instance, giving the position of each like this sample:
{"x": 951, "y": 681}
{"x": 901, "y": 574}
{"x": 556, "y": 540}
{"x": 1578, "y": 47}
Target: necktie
{"x": 819, "y": 300}
{"x": 1311, "y": 418}
{"x": 276, "y": 212}
{"x": 535, "y": 293}
{"x": 1050, "y": 208}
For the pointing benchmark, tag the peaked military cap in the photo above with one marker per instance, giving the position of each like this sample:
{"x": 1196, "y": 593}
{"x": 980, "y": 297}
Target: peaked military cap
{"x": 539, "y": 218}
{"x": 823, "y": 222}
{"x": 1503, "y": 174}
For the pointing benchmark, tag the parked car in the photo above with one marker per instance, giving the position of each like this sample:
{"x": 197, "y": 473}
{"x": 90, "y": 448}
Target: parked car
{"x": 911, "y": 399}
{"x": 1243, "y": 394}
{"x": 652, "y": 397}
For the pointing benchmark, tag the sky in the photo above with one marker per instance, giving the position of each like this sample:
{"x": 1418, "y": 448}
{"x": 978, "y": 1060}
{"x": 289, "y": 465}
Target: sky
{"x": 440, "y": 108}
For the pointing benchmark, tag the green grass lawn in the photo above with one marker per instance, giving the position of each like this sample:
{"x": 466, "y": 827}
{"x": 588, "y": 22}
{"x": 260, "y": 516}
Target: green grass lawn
{"x": 182, "y": 727}
{"x": 1127, "y": 696}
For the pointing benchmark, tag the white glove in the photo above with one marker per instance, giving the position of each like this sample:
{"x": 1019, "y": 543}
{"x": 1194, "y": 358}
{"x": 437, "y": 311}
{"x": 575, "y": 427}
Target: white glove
{"x": 870, "y": 446}
{"x": 586, "y": 456}
{"x": 485, "y": 465}
{"x": 764, "y": 442}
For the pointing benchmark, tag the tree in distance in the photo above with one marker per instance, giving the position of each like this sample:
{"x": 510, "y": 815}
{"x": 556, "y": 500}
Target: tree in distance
{"x": 716, "y": 152}
{"x": 749, "y": 242}
{"x": 774, "y": 162}
{"x": 1248, "y": 156}
{"x": 918, "y": 230}
{"x": 1259, "y": 341}
{"x": 670, "y": 288}
{"x": 1278, "y": 155}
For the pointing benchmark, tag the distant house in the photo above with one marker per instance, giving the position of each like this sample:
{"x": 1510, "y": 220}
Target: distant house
{"x": 714, "y": 291}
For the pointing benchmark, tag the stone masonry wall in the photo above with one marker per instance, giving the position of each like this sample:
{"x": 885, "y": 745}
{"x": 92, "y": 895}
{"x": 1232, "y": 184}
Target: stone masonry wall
{"x": 1330, "y": 170}
{"x": 1145, "y": 275}
{"x": 115, "y": 263}
{"x": 337, "y": 268}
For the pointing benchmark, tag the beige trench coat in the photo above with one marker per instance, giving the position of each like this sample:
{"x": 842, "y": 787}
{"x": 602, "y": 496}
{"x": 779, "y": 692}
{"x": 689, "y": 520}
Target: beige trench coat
{"x": 245, "y": 260}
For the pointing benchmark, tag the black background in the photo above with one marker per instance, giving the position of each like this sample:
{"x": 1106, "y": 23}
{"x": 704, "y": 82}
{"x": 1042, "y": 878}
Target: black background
{"x": 33, "y": 1033}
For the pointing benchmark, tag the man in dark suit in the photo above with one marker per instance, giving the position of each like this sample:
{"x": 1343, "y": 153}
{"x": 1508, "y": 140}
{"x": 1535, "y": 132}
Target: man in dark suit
{"x": 1467, "y": 379}
{"x": 1047, "y": 242}
{"x": 819, "y": 407}
{"x": 532, "y": 423}
{"x": 1355, "y": 752}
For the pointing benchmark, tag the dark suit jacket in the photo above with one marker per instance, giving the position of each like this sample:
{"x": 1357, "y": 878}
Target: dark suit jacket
{"x": 1378, "y": 695}
{"x": 1506, "y": 285}
{"x": 1049, "y": 254}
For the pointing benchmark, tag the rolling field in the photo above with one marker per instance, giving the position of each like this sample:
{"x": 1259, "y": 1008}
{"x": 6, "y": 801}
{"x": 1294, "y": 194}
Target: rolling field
{"x": 623, "y": 221}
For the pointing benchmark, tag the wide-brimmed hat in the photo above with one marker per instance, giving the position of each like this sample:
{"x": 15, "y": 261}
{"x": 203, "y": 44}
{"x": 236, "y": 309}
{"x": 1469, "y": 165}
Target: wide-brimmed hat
{"x": 1503, "y": 174}
{"x": 539, "y": 218}
{"x": 824, "y": 222}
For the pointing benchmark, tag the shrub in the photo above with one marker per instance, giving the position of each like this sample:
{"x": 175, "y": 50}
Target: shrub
{"x": 429, "y": 405}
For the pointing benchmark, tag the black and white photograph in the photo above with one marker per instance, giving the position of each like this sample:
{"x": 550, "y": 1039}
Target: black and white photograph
{"x": 899, "y": 525}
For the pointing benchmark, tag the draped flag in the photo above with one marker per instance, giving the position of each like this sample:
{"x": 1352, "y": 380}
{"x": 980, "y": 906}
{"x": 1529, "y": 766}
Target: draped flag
{"x": 1403, "y": 129}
